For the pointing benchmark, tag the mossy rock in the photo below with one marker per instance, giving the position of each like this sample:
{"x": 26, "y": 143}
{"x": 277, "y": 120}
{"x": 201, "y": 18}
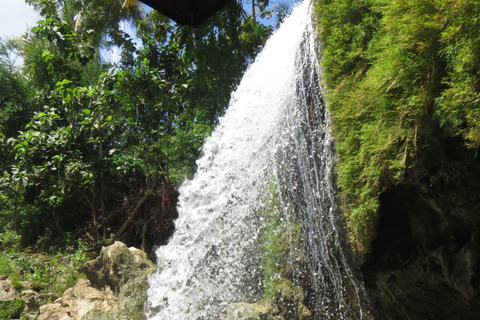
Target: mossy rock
{"x": 250, "y": 311}
{"x": 116, "y": 289}
{"x": 287, "y": 304}
{"x": 126, "y": 271}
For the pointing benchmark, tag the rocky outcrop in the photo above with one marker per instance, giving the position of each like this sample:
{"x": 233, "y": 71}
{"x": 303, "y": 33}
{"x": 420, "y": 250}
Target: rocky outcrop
{"x": 425, "y": 261}
{"x": 7, "y": 291}
{"x": 34, "y": 300}
{"x": 115, "y": 289}
{"x": 82, "y": 302}
{"x": 287, "y": 304}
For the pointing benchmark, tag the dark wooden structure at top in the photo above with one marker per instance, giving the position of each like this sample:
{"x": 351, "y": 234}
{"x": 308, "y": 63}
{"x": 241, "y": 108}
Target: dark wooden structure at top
{"x": 187, "y": 12}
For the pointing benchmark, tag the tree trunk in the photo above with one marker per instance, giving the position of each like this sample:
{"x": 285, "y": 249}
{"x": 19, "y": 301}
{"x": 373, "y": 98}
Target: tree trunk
{"x": 253, "y": 10}
{"x": 134, "y": 213}
{"x": 102, "y": 205}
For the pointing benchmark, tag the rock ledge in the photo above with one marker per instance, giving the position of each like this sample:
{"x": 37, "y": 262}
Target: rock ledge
{"x": 116, "y": 288}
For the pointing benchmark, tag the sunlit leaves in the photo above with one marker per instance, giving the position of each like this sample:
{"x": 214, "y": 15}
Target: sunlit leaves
{"x": 396, "y": 71}
{"x": 97, "y": 135}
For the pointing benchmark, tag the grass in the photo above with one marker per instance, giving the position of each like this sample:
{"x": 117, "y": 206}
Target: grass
{"x": 53, "y": 271}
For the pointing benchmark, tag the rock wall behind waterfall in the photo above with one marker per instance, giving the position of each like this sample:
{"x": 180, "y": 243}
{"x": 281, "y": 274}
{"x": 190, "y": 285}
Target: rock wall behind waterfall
{"x": 425, "y": 261}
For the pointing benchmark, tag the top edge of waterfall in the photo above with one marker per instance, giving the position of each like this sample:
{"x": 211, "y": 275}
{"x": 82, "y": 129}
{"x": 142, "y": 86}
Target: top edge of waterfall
{"x": 290, "y": 25}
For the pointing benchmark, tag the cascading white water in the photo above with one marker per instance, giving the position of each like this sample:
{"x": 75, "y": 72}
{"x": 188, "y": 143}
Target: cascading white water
{"x": 276, "y": 126}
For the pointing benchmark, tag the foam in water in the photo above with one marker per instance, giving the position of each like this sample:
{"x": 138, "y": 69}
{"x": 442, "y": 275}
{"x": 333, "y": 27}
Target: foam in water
{"x": 276, "y": 126}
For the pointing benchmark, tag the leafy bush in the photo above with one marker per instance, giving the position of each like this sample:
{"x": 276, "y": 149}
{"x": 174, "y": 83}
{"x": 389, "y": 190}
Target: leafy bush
{"x": 11, "y": 309}
{"x": 9, "y": 238}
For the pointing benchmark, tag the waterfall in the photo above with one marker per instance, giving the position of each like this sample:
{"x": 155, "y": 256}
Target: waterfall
{"x": 276, "y": 129}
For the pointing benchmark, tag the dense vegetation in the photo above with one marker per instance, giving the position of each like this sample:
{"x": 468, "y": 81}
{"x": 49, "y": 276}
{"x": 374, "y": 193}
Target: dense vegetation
{"x": 92, "y": 150}
{"x": 403, "y": 85}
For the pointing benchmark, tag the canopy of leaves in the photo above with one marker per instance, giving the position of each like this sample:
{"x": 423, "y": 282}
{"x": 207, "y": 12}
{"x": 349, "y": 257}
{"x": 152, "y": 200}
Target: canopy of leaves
{"x": 95, "y": 144}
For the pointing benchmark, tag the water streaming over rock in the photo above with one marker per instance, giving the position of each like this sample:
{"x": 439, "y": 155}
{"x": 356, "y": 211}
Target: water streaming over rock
{"x": 275, "y": 129}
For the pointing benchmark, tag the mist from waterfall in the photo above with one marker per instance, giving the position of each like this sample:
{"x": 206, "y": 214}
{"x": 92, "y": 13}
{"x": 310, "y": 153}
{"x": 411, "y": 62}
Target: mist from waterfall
{"x": 276, "y": 130}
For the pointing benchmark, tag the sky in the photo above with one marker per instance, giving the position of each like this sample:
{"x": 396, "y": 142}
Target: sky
{"x": 16, "y": 16}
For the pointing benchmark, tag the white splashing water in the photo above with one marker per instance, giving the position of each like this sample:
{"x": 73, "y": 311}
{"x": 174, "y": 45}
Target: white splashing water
{"x": 275, "y": 125}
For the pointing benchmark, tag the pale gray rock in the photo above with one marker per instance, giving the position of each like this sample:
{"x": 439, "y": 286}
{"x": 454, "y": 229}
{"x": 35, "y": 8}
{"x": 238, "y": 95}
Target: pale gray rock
{"x": 116, "y": 289}
{"x": 7, "y": 291}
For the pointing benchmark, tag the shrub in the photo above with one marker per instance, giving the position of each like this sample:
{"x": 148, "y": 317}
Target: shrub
{"x": 11, "y": 309}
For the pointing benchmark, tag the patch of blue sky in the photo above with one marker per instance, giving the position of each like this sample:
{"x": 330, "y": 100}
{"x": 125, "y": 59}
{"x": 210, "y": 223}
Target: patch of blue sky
{"x": 16, "y": 17}
{"x": 113, "y": 54}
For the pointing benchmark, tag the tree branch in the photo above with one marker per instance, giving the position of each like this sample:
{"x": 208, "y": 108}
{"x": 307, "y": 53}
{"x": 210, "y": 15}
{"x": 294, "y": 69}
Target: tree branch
{"x": 134, "y": 213}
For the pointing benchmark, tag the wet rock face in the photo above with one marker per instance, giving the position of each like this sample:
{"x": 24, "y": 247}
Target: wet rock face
{"x": 287, "y": 304}
{"x": 425, "y": 261}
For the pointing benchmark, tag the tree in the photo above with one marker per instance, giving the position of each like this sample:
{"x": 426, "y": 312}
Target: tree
{"x": 15, "y": 111}
{"x": 109, "y": 144}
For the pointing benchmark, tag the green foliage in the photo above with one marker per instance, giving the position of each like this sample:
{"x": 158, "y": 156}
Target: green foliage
{"x": 459, "y": 103}
{"x": 14, "y": 100}
{"x": 15, "y": 279}
{"x": 396, "y": 72}
{"x": 9, "y": 238}
{"x": 15, "y": 106}
{"x": 92, "y": 137}
{"x": 11, "y": 309}
{"x": 54, "y": 272}
{"x": 5, "y": 265}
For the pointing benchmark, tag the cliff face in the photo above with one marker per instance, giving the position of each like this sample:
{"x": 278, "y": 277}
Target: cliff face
{"x": 424, "y": 262}
{"x": 397, "y": 74}
{"x": 403, "y": 88}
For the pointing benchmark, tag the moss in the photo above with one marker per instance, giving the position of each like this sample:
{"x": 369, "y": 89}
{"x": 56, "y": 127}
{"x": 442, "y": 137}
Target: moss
{"x": 281, "y": 243}
{"x": 397, "y": 74}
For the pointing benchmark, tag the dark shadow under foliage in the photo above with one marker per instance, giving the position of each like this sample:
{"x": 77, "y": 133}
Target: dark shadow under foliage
{"x": 425, "y": 262}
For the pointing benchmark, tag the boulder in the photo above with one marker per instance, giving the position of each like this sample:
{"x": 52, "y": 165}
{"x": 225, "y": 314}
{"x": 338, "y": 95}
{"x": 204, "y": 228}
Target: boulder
{"x": 81, "y": 302}
{"x": 117, "y": 265}
{"x": 7, "y": 291}
{"x": 287, "y": 304}
{"x": 116, "y": 288}
{"x": 125, "y": 271}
